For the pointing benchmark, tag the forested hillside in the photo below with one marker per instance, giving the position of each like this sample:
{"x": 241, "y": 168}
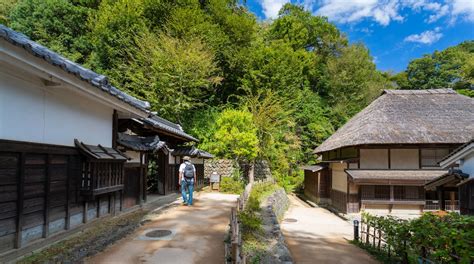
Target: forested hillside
{"x": 248, "y": 89}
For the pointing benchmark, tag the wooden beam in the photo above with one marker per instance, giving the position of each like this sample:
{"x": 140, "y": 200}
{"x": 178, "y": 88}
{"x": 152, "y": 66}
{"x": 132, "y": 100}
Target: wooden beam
{"x": 68, "y": 189}
{"x": 47, "y": 196}
{"x": 20, "y": 201}
{"x": 86, "y": 208}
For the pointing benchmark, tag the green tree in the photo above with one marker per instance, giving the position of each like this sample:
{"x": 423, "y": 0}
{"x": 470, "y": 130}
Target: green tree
{"x": 183, "y": 74}
{"x": 58, "y": 24}
{"x": 236, "y": 135}
{"x": 302, "y": 30}
{"x": 354, "y": 82}
{"x": 449, "y": 68}
{"x": 5, "y": 8}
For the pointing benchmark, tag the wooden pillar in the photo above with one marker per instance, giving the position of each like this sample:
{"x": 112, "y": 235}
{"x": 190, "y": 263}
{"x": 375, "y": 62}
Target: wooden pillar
{"x": 440, "y": 191}
{"x": 145, "y": 180}
{"x": 20, "y": 193}
{"x": 141, "y": 182}
{"x": 114, "y": 129}
{"x": 68, "y": 196}
{"x": 47, "y": 198}
{"x": 452, "y": 198}
{"x": 86, "y": 208}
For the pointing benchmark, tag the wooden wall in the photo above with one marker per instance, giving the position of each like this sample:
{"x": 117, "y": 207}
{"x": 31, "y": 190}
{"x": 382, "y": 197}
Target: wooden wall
{"x": 466, "y": 198}
{"x": 311, "y": 185}
{"x": 339, "y": 200}
{"x": 39, "y": 193}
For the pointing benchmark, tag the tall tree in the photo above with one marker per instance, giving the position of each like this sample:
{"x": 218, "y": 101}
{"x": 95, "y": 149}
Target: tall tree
{"x": 60, "y": 25}
{"x": 449, "y": 68}
{"x": 354, "y": 82}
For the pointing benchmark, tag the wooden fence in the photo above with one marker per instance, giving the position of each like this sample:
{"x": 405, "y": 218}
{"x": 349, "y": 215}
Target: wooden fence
{"x": 234, "y": 252}
{"x": 376, "y": 239}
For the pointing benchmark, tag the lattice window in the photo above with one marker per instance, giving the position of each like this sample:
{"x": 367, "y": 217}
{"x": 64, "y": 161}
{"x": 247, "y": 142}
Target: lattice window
{"x": 431, "y": 157}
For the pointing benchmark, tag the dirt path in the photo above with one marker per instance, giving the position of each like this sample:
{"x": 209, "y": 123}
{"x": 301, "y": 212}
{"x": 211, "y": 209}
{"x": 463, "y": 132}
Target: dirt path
{"x": 197, "y": 235}
{"x": 319, "y": 236}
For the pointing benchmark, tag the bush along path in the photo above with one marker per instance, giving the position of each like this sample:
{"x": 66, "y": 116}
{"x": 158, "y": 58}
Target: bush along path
{"x": 431, "y": 238}
{"x": 263, "y": 241}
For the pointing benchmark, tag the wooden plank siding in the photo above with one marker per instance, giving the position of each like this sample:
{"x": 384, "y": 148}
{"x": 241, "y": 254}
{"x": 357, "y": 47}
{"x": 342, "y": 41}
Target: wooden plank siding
{"x": 39, "y": 193}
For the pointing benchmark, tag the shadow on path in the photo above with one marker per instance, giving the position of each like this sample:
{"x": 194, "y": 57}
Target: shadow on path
{"x": 319, "y": 236}
{"x": 198, "y": 235}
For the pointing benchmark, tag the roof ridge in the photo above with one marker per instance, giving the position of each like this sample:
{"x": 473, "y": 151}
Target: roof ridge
{"x": 419, "y": 91}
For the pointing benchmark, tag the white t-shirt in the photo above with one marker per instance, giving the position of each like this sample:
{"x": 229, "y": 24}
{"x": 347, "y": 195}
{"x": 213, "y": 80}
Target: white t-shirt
{"x": 182, "y": 166}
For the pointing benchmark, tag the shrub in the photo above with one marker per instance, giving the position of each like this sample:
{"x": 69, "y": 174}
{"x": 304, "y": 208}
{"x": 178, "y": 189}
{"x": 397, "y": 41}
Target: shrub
{"x": 231, "y": 185}
{"x": 442, "y": 236}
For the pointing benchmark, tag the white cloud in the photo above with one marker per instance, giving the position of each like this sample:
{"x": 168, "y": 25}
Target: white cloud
{"x": 385, "y": 11}
{"x": 343, "y": 11}
{"x": 463, "y": 8}
{"x": 427, "y": 37}
{"x": 271, "y": 7}
{"x": 440, "y": 12}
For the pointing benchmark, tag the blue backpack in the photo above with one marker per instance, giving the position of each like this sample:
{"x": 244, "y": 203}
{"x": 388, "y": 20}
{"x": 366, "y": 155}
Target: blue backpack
{"x": 188, "y": 171}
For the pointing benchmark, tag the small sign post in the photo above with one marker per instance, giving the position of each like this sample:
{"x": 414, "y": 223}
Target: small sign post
{"x": 215, "y": 178}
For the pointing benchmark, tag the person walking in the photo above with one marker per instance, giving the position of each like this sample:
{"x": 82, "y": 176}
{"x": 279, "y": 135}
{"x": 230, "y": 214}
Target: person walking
{"x": 187, "y": 178}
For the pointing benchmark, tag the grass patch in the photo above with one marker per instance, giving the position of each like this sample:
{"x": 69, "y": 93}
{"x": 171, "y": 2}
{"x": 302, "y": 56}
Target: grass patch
{"x": 252, "y": 232}
{"x": 92, "y": 240}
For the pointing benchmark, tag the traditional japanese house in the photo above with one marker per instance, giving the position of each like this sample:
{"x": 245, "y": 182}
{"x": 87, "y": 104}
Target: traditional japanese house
{"x": 60, "y": 166}
{"x": 162, "y": 157}
{"x": 457, "y": 182}
{"x": 380, "y": 160}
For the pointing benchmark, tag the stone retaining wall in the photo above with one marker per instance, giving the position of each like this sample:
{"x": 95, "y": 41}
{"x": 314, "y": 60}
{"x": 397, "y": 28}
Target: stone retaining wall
{"x": 279, "y": 203}
{"x": 273, "y": 211}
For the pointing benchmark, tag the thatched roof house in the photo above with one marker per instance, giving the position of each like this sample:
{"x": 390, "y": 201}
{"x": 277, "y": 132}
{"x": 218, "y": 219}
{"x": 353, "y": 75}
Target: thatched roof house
{"x": 436, "y": 116}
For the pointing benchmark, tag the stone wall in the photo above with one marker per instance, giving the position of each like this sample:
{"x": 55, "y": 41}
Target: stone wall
{"x": 262, "y": 170}
{"x": 223, "y": 167}
{"x": 226, "y": 168}
{"x": 279, "y": 203}
{"x": 272, "y": 213}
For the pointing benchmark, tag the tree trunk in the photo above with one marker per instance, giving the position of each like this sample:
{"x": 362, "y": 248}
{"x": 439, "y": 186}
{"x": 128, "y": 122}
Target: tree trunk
{"x": 251, "y": 171}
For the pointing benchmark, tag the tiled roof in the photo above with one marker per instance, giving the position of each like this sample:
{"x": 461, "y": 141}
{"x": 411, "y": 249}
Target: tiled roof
{"x": 100, "y": 152}
{"x": 167, "y": 126}
{"x": 192, "y": 152}
{"x": 313, "y": 168}
{"x": 99, "y": 81}
{"x": 141, "y": 143}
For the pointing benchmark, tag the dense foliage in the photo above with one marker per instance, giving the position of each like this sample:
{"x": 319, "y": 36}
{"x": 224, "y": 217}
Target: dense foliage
{"x": 443, "y": 237}
{"x": 209, "y": 65}
{"x": 449, "y": 68}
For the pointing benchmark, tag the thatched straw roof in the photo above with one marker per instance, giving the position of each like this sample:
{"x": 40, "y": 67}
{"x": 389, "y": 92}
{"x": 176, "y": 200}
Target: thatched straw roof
{"x": 408, "y": 117}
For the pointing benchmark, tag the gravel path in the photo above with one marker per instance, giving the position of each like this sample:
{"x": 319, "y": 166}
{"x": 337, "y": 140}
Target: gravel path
{"x": 197, "y": 235}
{"x": 319, "y": 236}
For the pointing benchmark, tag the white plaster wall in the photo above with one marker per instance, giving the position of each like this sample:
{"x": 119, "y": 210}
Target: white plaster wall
{"x": 353, "y": 165}
{"x": 29, "y": 111}
{"x": 171, "y": 158}
{"x": 339, "y": 176}
{"x": 467, "y": 166}
{"x": 374, "y": 158}
{"x": 404, "y": 159}
{"x": 134, "y": 155}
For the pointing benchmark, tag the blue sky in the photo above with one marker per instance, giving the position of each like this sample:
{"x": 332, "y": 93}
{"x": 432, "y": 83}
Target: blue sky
{"x": 395, "y": 31}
